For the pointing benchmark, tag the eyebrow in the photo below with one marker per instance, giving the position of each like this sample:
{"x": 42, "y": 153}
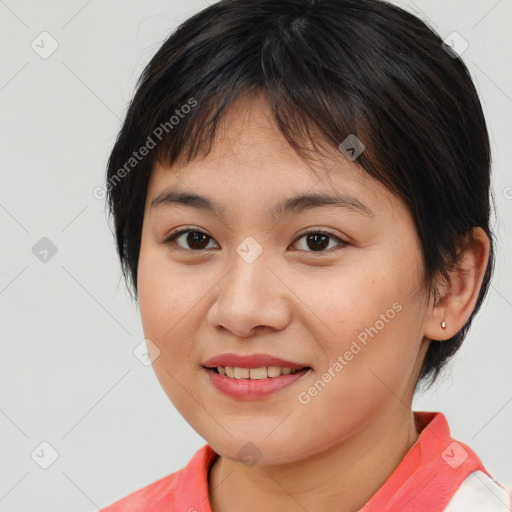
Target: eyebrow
{"x": 296, "y": 204}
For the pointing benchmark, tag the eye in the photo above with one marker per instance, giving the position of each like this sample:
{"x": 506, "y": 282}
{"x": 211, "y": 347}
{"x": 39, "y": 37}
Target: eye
{"x": 197, "y": 240}
{"x": 319, "y": 240}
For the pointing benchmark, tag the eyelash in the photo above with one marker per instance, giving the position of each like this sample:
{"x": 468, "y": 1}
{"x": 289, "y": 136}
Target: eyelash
{"x": 170, "y": 240}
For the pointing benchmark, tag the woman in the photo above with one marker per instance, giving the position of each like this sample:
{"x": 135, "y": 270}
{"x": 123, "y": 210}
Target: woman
{"x": 300, "y": 192}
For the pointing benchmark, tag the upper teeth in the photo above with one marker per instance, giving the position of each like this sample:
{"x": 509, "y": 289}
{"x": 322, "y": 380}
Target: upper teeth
{"x": 254, "y": 373}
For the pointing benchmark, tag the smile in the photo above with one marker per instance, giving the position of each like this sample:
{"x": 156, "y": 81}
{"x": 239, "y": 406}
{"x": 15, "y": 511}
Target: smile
{"x": 253, "y": 383}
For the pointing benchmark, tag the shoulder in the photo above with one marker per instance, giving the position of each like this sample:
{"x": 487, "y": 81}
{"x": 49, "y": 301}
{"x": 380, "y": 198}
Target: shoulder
{"x": 480, "y": 493}
{"x": 143, "y": 498}
{"x": 173, "y": 491}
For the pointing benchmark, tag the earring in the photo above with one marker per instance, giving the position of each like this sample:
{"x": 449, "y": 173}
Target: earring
{"x": 443, "y": 324}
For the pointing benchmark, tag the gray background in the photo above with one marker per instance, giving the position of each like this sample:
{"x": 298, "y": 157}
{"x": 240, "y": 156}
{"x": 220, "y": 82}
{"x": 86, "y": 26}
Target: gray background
{"x": 68, "y": 328}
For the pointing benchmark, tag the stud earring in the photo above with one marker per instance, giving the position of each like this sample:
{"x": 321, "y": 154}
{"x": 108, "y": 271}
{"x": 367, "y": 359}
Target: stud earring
{"x": 443, "y": 324}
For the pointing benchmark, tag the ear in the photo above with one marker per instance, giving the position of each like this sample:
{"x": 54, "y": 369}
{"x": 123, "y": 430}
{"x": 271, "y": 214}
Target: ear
{"x": 457, "y": 298}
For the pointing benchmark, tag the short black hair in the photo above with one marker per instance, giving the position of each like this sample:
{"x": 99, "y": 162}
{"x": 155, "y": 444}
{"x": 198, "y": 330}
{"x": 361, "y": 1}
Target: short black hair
{"x": 329, "y": 69}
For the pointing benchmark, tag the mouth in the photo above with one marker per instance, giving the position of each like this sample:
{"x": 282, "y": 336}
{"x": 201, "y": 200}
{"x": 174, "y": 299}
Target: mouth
{"x": 258, "y": 373}
{"x": 254, "y": 383}
{"x": 252, "y": 366}
{"x": 254, "y": 376}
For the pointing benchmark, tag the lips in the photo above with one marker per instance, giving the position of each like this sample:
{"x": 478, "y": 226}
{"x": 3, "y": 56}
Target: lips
{"x": 251, "y": 361}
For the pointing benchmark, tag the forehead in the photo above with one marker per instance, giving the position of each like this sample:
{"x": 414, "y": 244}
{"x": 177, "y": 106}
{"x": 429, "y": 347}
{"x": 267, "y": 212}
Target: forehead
{"x": 251, "y": 157}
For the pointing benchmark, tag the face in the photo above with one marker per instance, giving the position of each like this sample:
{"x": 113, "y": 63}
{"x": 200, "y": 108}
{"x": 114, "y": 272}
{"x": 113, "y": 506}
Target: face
{"x": 333, "y": 288}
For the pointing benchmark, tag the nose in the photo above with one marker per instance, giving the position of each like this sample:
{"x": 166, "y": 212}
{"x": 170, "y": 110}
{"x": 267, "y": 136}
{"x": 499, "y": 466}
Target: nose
{"x": 251, "y": 298}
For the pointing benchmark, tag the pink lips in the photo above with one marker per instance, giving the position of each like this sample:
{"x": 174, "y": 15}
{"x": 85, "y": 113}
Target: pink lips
{"x": 252, "y": 389}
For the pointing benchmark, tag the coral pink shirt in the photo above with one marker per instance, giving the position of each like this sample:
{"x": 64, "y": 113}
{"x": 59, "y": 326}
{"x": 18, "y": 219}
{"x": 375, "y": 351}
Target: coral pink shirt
{"x": 437, "y": 474}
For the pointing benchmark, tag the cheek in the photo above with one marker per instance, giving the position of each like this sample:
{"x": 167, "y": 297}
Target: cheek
{"x": 367, "y": 323}
{"x": 164, "y": 303}
{"x": 166, "y": 309}
{"x": 172, "y": 309}
{"x": 167, "y": 293}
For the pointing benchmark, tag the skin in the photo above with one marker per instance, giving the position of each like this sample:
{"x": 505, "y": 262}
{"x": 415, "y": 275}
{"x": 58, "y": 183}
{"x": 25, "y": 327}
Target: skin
{"x": 297, "y": 303}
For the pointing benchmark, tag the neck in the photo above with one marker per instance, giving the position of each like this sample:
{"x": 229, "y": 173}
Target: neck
{"x": 342, "y": 478}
